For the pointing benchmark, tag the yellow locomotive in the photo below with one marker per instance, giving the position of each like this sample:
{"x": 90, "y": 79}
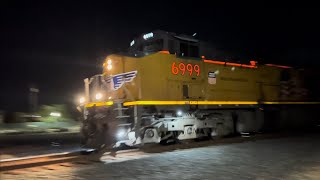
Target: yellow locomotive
{"x": 170, "y": 87}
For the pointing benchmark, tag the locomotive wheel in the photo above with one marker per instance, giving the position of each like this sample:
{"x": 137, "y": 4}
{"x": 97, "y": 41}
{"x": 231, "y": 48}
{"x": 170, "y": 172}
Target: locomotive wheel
{"x": 171, "y": 140}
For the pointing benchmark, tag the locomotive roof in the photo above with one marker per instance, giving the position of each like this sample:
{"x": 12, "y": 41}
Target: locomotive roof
{"x": 208, "y": 49}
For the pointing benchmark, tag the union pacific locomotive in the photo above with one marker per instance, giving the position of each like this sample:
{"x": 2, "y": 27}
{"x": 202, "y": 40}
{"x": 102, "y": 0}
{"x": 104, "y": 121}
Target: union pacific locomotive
{"x": 170, "y": 87}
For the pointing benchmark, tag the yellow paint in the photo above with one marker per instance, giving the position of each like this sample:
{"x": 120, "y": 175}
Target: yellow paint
{"x": 158, "y": 103}
{"x": 99, "y": 104}
{"x": 133, "y": 103}
{"x": 291, "y": 102}
{"x": 227, "y": 102}
{"x": 155, "y": 81}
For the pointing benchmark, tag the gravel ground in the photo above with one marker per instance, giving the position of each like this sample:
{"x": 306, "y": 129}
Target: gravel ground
{"x": 283, "y": 158}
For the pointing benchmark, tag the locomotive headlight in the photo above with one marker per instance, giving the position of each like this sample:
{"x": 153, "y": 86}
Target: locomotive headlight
{"x": 98, "y": 96}
{"x": 109, "y": 67}
{"x": 179, "y": 113}
{"x": 109, "y": 64}
{"x": 121, "y": 133}
{"x": 82, "y": 100}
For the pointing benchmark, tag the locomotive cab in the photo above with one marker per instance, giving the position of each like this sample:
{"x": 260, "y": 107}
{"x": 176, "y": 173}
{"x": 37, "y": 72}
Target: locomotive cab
{"x": 181, "y": 45}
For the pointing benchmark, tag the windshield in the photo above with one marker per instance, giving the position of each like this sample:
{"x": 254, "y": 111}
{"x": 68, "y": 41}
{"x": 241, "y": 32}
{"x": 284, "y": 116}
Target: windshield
{"x": 151, "y": 46}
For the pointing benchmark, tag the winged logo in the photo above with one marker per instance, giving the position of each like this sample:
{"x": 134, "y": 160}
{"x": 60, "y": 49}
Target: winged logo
{"x": 116, "y": 81}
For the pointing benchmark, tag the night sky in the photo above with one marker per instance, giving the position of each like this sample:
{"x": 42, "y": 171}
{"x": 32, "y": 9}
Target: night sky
{"x": 56, "y": 45}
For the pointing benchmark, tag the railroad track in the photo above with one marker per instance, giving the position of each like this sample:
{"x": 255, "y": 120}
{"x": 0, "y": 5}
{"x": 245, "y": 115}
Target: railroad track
{"x": 84, "y": 156}
{"x": 31, "y": 161}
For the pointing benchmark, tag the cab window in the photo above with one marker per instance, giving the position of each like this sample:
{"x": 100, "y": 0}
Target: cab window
{"x": 189, "y": 50}
{"x": 152, "y": 46}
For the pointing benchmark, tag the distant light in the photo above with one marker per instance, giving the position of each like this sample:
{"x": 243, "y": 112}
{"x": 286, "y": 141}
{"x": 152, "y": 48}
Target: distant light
{"x": 31, "y": 116}
{"x": 109, "y": 62}
{"x": 82, "y": 100}
{"x": 217, "y": 72}
{"x": 55, "y": 114}
{"x": 253, "y": 63}
{"x": 132, "y": 43}
{"x": 109, "y": 67}
{"x": 98, "y": 96}
{"x": 233, "y": 68}
{"x": 34, "y": 90}
{"x": 147, "y": 36}
{"x": 32, "y": 125}
{"x": 179, "y": 113}
{"x": 194, "y": 34}
{"x": 109, "y": 97}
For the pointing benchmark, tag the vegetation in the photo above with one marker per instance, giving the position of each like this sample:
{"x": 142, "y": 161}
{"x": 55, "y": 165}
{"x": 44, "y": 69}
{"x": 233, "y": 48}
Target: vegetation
{"x": 46, "y": 113}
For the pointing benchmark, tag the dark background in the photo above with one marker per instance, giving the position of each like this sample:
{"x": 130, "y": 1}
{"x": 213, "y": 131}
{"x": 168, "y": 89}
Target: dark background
{"x": 54, "y": 45}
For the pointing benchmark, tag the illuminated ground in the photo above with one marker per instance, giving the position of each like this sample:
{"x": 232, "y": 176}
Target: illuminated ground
{"x": 285, "y": 158}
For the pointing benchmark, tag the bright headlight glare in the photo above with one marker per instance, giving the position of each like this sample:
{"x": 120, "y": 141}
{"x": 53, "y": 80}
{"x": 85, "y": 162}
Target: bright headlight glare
{"x": 98, "y": 96}
{"x": 109, "y": 62}
{"x": 82, "y": 100}
{"x": 121, "y": 133}
{"x": 109, "y": 67}
{"x": 179, "y": 113}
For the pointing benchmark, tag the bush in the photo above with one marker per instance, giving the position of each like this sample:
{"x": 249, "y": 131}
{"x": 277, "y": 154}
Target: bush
{"x": 45, "y": 111}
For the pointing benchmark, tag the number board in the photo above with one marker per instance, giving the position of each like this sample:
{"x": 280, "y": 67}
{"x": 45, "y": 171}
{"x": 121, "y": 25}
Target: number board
{"x": 182, "y": 68}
